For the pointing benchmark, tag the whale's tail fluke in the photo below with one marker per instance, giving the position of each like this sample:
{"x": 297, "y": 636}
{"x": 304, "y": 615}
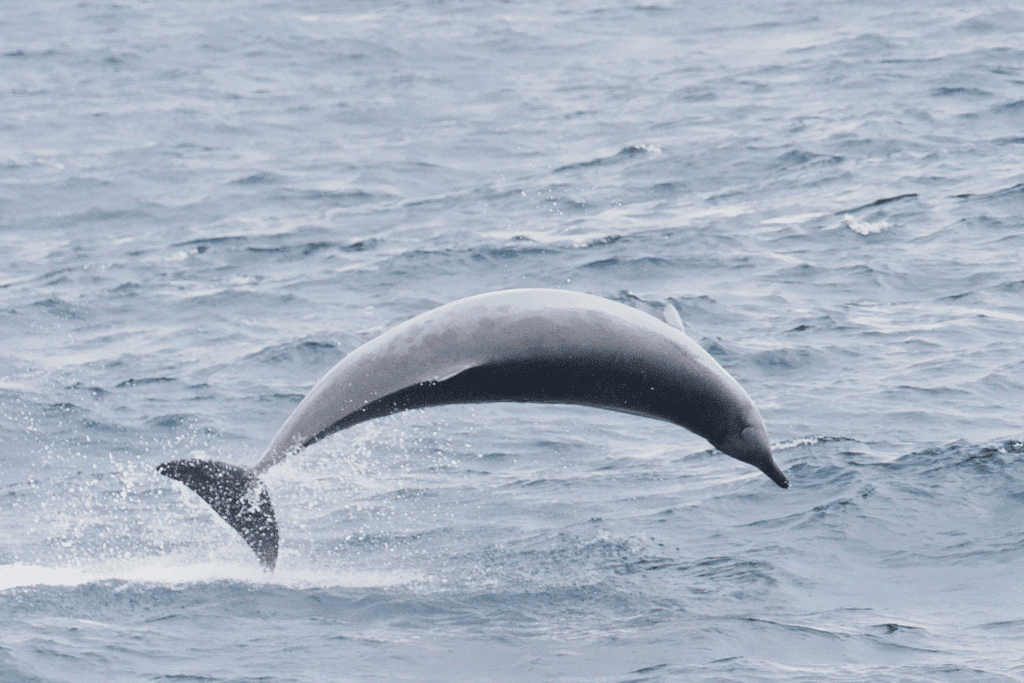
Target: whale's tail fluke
{"x": 237, "y": 496}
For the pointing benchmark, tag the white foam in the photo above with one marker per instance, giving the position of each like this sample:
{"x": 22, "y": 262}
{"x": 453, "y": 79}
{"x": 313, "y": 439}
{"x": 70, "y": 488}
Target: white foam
{"x": 863, "y": 227}
{"x": 177, "y": 572}
{"x": 19, "y": 575}
{"x": 795, "y": 443}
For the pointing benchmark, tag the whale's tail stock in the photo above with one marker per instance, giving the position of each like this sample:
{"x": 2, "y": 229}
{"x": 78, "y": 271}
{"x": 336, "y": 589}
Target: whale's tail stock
{"x": 235, "y": 494}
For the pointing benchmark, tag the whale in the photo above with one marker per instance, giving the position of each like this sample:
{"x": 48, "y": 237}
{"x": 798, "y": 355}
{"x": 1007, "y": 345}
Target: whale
{"x": 520, "y": 345}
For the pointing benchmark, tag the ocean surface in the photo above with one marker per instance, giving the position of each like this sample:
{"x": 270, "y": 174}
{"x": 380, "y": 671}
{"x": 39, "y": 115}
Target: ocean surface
{"x": 205, "y": 205}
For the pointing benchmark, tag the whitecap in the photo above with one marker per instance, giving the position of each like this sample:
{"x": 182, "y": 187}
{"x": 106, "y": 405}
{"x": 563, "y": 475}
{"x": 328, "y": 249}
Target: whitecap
{"x": 863, "y": 227}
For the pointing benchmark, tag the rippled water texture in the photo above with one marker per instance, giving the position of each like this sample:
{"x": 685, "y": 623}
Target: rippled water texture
{"x": 204, "y": 206}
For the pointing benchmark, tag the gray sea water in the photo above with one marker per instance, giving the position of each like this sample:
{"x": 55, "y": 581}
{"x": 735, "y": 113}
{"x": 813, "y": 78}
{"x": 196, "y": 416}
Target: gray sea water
{"x": 205, "y": 205}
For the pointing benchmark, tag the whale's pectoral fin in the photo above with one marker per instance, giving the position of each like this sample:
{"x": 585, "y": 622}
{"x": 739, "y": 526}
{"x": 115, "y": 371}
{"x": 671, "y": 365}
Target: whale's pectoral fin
{"x": 237, "y": 496}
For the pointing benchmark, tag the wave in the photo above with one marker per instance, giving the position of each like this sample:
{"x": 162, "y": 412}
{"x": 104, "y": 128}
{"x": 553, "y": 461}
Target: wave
{"x": 624, "y": 154}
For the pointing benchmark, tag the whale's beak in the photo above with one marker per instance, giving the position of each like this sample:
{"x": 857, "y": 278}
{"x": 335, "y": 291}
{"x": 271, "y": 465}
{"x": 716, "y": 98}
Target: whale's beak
{"x": 771, "y": 468}
{"x": 752, "y": 446}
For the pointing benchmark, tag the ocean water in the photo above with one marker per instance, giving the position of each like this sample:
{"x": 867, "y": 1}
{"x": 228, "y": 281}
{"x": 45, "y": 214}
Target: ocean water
{"x": 205, "y": 205}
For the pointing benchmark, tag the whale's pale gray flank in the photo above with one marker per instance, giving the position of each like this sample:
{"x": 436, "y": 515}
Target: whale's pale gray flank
{"x": 521, "y": 345}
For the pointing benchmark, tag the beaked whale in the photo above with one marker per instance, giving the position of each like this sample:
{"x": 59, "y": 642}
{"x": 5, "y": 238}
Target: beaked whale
{"x": 520, "y": 345}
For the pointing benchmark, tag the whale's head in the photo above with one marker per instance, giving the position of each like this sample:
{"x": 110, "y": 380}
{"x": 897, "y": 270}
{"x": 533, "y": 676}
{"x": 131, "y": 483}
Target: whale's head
{"x": 750, "y": 444}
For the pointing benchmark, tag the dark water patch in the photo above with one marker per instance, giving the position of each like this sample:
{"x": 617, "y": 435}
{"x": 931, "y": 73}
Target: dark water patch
{"x": 97, "y": 392}
{"x": 1010, "y": 108}
{"x": 62, "y": 409}
{"x": 784, "y": 359}
{"x": 749, "y": 573}
{"x": 119, "y": 59}
{"x": 181, "y": 421}
{"x": 280, "y": 396}
{"x": 694, "y": 94}
{"x": 872, "y": 44}
{"x": 61, "y": 309}
{"x": 252, "y": 303}
{"x": 127, "y": 289}
{"x": 672, "y": 188}
{"x": 313, "y": 352}
{"x": 715, "y": 348}
{"x": 964, "y": 458}
{"x": 171, "y": 75}
{"x": 205, "y": 242}
{"x": 59, "y": 276}
{"x": 1009, "y": 241}
{"x": 1015, "y": 193}
{"x": 933, "y": 391}
{"x": 798, "y": 158}
{"x": 144, "y": 380}
{"x": 867, "y": 146}
{"x": 647, "y": 564}
{"x": 511, "y": 252}
{"x": 313, "y": 247}
{"x": 796, "y": 628}
{"x": 97, "y": 427}
{"x": 268, "y": 250}
{"x": 318, "y": 345}
{"x": 363, "y": 245}
{"x": 820, "y": 323}
{"x": 804, "y": 272}
{"x": 189, "y": 678}
{"x": 335, "y": 197}
{"x": 133, "y": 217}
{"x": 921, "y": 345}
{"x": 890, "y": 628}
{"x": 987, "y": 461}
{"x": 997, "y": 21}
{"x": 259, "y": 178}
{"x": 878, "y": 202}
{"x": 596, "y": 242}
{"x": 958, "y": 91}
{"x": 496, "y": 195}
{"x": 1009, "y": 141}
{"x": 1015, "y": 624}
{"x": 624, "y": 154}
{"x": 563, "y": 205}
{"x": 635, "y": 265}
{"x": 828, "y": 473}
{"x": 843, "y": 505}
{"x": 409, "y": 494}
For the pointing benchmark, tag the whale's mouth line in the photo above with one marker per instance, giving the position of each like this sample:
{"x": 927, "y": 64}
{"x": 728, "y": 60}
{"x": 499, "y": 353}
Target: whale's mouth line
{"x": 751, "y": 446}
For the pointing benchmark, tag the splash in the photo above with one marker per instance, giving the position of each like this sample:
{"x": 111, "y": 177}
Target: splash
{"x": 863, "y": 227}
{"x": 178, "y": 572}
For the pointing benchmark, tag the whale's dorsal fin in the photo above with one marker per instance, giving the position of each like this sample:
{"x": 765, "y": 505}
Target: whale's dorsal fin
{"x": 671, "y": 316}
{"x": 452, "y": 371}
